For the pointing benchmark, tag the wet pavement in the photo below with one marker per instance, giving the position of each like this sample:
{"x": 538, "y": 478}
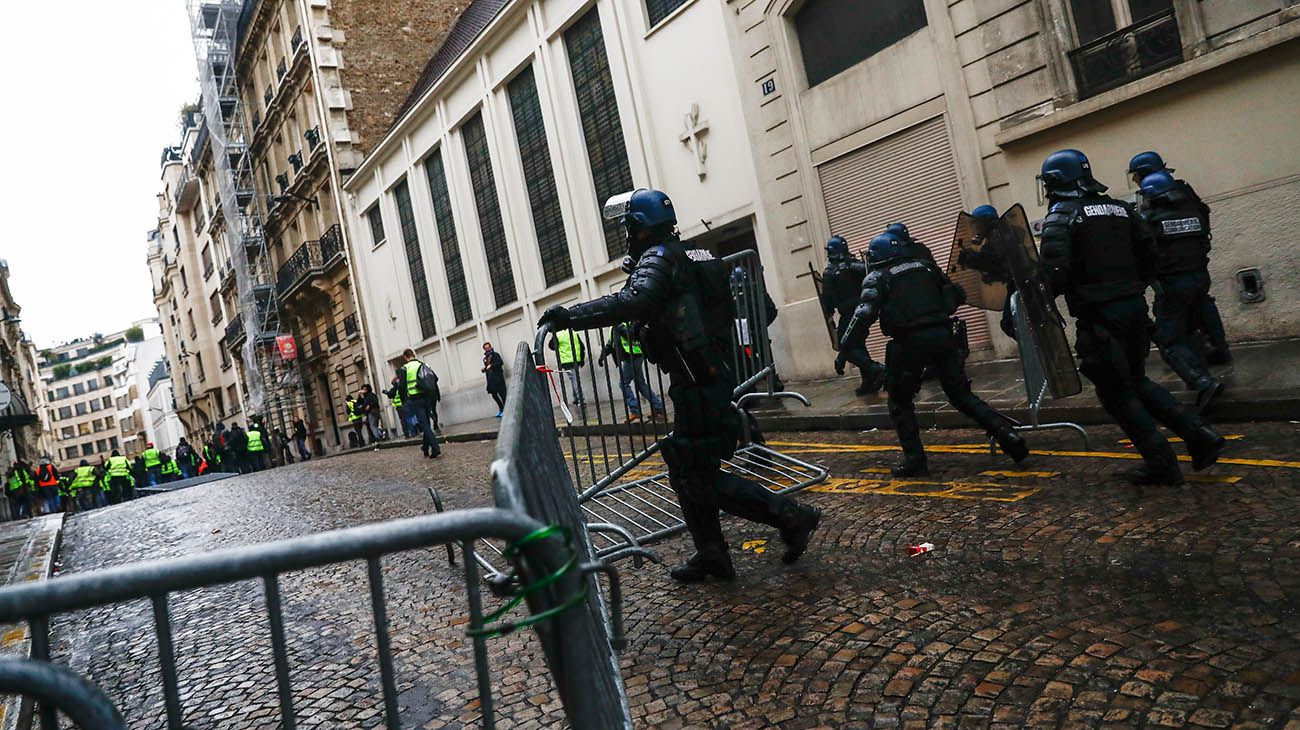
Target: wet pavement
{"x": 1055, "y": 595}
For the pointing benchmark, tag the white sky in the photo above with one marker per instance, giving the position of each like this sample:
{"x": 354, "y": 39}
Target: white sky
{"x": 92, "y": 93}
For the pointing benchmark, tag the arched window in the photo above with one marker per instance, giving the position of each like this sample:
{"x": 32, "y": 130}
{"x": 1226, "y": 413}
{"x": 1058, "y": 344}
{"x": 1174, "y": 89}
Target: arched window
{"x": 838, "y": 34}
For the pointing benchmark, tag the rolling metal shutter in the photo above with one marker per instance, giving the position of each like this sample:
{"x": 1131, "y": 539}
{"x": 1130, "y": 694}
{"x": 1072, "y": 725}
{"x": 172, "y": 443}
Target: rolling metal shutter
{"x": 909, "y": 177}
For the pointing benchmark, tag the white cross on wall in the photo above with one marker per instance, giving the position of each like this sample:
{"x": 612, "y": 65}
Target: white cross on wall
{"x": 691, "y": 137}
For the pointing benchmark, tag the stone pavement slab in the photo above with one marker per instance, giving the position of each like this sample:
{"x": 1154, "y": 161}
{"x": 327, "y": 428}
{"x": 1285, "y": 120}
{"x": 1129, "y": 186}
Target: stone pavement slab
{"x": 28, "y": 550}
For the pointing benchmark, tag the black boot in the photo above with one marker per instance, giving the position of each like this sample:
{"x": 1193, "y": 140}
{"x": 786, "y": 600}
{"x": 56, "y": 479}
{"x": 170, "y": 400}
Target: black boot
{"x": 1159, "y": 465}
{"x": 1207, "y": 389}
{"x": 1013, "y": 445}
{"x": 799, "y": 532}
{"x": 873, "y": 377}
{"x": 1218, "y": 356}
{"x": 1148, "y": 475}
{"x": 1204, "y": 446}
{"x": 710, "y": 561}
{"x": 911, "y": 467}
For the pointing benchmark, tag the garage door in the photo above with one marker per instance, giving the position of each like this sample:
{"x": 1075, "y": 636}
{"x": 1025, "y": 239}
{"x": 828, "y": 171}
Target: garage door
{"x": 909, "y": 177}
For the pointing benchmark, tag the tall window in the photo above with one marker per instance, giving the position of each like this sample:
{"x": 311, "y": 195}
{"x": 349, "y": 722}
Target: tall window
{"x": 600, "y": 122}
{"x": 376, "y": 220}
{"x": 451, "y": 263}
{"x": 414, "y": 259}
{"x": 1119, "y": 41}
{"x": 530, "y": 130}
{"x": 657, "y": 10}
{"x": 489, "y": 211}
{"x": 834, "y": 36}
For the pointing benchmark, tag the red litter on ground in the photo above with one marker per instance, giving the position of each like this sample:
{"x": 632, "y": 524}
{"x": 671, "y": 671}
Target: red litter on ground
{"x": 915, "y": 550}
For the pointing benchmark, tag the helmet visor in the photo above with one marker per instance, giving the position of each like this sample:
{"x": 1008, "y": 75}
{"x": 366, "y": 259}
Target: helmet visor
{"x": 617, "y": 206}
{"x": 1040, "y": 187}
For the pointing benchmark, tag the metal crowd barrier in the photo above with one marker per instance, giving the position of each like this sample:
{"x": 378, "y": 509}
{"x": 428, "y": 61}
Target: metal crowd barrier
{"x": 614, "y": 461}
{"x": 1036, "y": 382}
{"x": 551, "y": 569}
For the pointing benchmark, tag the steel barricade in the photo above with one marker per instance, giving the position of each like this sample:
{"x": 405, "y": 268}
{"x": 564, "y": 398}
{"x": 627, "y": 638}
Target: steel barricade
{"x": 614, "y": 459}
{"x": 1036, "y": 386}
{"x": 555, "y": 579}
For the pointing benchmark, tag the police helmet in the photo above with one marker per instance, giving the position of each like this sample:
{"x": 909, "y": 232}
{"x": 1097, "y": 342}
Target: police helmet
{"x": 1158, "y": 183}
{"x": 1068, "y": 171}
{"x": 837, "y": 249}
{"x": 985, "y": 211}
{"x": 642, "y": 208}
{"x": 900, "y": 230}
{"x": 1145, "y": 163}
{"x": 885, "y": 247}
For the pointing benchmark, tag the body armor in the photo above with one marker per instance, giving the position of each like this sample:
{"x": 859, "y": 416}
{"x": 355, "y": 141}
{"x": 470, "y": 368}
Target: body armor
{"x": 1095, "y": 250}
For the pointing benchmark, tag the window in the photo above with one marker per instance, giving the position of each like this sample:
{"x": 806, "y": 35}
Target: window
{"x": 63, "y": 393}
{"x": 489, "y": 211}
{"x": 214, "y": 303}
{"x": 376, "y": 220}
{"x": 108, "y": 400}
{"x": 601, "y": 127}
{"x": 225, "y": 354}
{"x": 69, "y": 432}
{"x": 198, "y": 365}
{"x": 414, "y": 260}
{"x": 71, "y": 452}
{"x": 87, "y": 449}
{"x": 79, "y": 389}
{"x": 456, "y": 287}
{"x": 92, "y": 384}
{"x": 65, "y": 412}
{"x": 112, "y": 442}
{"x": 101, "y": 445}
{"x": 657, "y": 10}
{"x": 81, "y": 409}
{"x": 49, "y": 395}
{"x": 108, "y": 380}
{"x": 1119, "y": 41}
{"x": 834, "y": 36}
{"x": 185, "y": 283}
{"x": 206, "y": 256}
{"x": 530, "y": 131}
{"x": 94, "y": 405}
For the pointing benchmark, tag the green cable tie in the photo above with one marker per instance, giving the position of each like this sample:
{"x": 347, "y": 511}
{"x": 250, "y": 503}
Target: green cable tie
{"x": 510, "y": 553}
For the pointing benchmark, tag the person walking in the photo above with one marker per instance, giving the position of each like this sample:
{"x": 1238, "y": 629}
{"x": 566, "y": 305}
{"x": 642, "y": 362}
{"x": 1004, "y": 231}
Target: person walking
{"x": 19, "y": 487}
{"x": 118, "y": 471}
{"x": 357, "y": 420}
{"x": 572, "y": 354}
{"x": 82, "y": 487}
{"x": 237, "y": 447}
{"x": 283, "y": 447}
{"x": 170, "y": 471}
{"x": 1098, "y": 254}
{"x": 300, "y": 439}
{"x": 495, "y": 370}
{"x": 186, "y": 459}
{"x": 421, "y": 393}
{"x": 394, "y": 394}
{"x": 47, "y": 482}
{"x": 256, "y": 448}
{"x": 369, "y": 406}
{"x": 625, "y": 348}
{"x": 152, "y": 463}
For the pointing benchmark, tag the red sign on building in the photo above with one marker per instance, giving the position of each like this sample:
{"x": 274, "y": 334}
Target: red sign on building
{"x": 288, "y": 349}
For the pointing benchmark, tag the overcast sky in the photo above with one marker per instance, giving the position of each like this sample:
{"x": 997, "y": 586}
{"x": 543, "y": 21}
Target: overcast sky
{"x": 93, "y": 92}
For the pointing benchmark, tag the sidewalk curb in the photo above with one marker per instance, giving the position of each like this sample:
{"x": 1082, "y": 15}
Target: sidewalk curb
{"x": 36, "y": 564}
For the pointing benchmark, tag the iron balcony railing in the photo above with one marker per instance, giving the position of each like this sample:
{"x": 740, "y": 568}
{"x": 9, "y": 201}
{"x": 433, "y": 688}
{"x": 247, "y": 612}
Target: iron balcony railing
{"x": 331, "y": 245}
{"x": 1128, "y": 54}
{"x": 331, "y": 335}
{"x": 296, "y": 41}
{"x": 235, "y": 331}
{"x": 313, "y": 137}
{"x": 267, "y": 97}
{"x": 350, "y": 324}
{"x": 305, "y": 263}
{"x": 296, "y": 161}
{"x": 281, "y": 69}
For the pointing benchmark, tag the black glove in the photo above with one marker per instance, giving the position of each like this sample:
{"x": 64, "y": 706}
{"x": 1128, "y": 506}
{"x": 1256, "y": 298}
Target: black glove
{"x": 601, "y": 361}
{"x": 839, "y": 365}
{"x": 557, "y": 316}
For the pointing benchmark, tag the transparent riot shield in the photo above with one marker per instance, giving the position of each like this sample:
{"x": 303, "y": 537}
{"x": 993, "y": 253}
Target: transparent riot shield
{"x": 817, "y": 284}
{"x": 978, "y": 262}
{"x": 1046, "y": 326}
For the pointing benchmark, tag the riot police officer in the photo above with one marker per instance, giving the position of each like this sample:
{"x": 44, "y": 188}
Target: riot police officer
{"x": 914, "y": 302}
{"x": 679, "y": 298}
{"x": 912, "y": 247}
{"x": 1181, "y": 226}
{"x": 1205, "y": 317}
{"x": 1096, "y": 251}
{"x": 841, "y": 285}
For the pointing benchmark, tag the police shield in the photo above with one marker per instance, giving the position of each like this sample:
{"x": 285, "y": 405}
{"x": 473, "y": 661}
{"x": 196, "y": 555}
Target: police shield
{"x": 1048, "y": 342}
{"x": 817, "y": 284}
{"x": 977, "y": 263}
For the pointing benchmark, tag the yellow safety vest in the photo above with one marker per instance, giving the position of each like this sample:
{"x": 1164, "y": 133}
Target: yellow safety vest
{"x": 396, "y": 400}
{"x": 83, "y": 478}
{"x": 118, "y": 466}
{"x": 629, "y": 345}
{"x": 255, "y": 440}
{"x": 569, "y": 347}
{"x": 152, "y": 458}
{"x": 353, "y": 416}
{"x": 410, "y": 373}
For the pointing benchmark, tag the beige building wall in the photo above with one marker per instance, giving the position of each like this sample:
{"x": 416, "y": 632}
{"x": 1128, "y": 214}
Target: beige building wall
{"x": 88, "y": 416}
{"x": 997, "y": 76}
{"x": 19, "y": 371}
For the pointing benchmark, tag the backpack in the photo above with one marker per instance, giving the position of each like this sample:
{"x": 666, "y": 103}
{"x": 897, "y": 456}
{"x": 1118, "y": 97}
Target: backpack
{"x": 427, "y": 381}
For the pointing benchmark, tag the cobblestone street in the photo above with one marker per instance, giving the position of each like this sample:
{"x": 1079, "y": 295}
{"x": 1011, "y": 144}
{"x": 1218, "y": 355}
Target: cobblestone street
{"x": 1054, "y": 596}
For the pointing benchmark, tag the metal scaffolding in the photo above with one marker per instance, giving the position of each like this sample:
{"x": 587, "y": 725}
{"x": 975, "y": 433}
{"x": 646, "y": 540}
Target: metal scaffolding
{"x": 272, "y": 386}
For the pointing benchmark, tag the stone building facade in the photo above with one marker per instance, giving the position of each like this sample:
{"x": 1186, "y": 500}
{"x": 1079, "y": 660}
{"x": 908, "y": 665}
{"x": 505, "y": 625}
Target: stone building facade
{"x": 22, "y": 429}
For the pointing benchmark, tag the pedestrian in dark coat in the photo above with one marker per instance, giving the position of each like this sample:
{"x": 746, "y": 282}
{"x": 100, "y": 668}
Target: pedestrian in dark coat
{"x": 495, "y": 370}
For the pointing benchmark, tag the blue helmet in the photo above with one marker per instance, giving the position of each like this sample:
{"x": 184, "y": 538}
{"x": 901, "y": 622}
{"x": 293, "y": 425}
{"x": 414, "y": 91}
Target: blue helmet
{"x": 885, "y": 247}
{"x": 837, "y": 248}
{"x": 985, "y": 211}
{"x": 1158, "y": 183}
{"x": 1069, "y": 172}
{"x": 649, "y": 209}
{"x": 1145, "y": 163}
{"x": 900, "y": 230}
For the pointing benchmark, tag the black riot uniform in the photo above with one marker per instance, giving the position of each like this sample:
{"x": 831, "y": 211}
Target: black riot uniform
{"x": 914, "y": 302}
{"x": 841, "y": 287}
{"x": 1096, "y": 251}
{"x": 680, "y": 300}
{"x": 1180, "y": 223}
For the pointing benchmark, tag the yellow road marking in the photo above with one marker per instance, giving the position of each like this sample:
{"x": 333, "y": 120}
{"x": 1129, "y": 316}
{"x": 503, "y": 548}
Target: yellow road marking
{"x": 757, "y": 546}
{"x": 875, "y": 470}
{"x": 13, "y": 636}
{"x": 824, "y": 448}
{"x": 923, "y": 488}
{"x": 1032, "y": 474}
{"x": 1211, "y": 479}
{"x": 1176, "y": 440}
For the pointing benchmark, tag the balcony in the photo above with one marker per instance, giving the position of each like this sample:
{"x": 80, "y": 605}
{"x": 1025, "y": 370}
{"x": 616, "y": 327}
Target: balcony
{"x": 1128, "y": 54}
{"x": 281, "y": 69}
{"x": 235, "y": 333}
{"x": 350, "y": 328}
{"x": 207, "y": 270}
{"x": 331, "y": 246}
{"x": 227, "y": 275}
{"x": 313, "y": 138}
{"x": 268, "y": 97}
{"x": 187, "y": 192}
{"x": 304, "y": 264}
{"x": 331, "y": 335}
{"x": 296, "y": 41}
{"x": 296, "y": 161}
